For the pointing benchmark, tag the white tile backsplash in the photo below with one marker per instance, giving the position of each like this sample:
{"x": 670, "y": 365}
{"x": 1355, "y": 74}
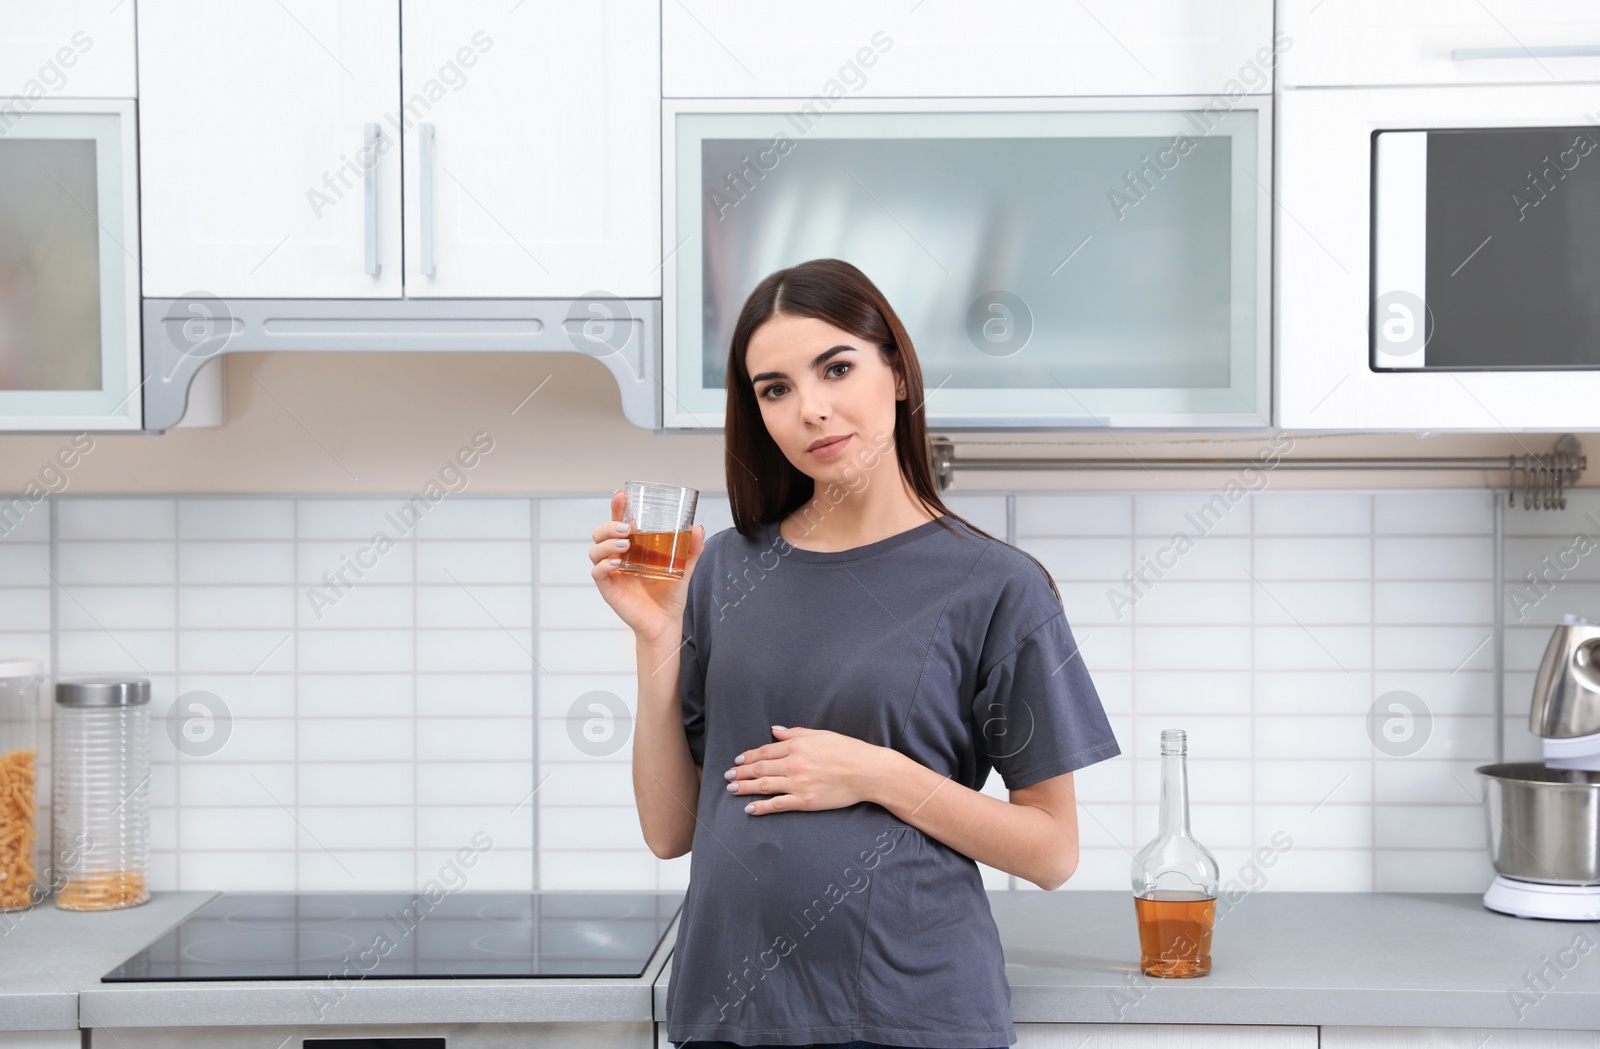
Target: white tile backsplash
{"x": 235, "y": 518}
{"x": 1434, "y": 513}
{"x": 389, "y": 701}
{"x": 97, "y": 563}
{"x": 1312, "y": 557}
{"x": 1040, "y": 516}
{"x": 235, "y": 561}
{"x": 1433, "y": 557}
{"x": 91, "y": 518}
{"x": 1313, "y": 513}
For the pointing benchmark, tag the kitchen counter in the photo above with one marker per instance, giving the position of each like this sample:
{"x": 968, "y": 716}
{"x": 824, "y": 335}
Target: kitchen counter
{"x": 52, "y": 961}
{"x": 1299, "y": 958}
{"x": 48, "y": 955}
{"x": 1294, "y": 958}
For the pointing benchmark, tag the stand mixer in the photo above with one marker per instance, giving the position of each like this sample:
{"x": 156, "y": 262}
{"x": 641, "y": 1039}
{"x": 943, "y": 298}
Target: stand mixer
{"x": 1544, "y": 818}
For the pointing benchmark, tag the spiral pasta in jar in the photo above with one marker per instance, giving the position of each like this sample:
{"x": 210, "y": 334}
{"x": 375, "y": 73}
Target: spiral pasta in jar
{"x": 20, "y": 841}
{"x": 102, "y": 793}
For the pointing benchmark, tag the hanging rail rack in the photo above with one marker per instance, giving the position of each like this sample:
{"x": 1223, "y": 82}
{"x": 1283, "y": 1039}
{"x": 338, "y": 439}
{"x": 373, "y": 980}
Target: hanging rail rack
{"x": 1545, "y": 478}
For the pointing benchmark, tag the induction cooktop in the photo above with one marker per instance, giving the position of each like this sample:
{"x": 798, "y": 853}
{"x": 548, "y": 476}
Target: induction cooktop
{"x": 361, "y": 935}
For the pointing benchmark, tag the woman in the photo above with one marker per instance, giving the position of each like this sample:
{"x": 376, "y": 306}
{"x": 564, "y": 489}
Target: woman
{"x": 857, "y": 658}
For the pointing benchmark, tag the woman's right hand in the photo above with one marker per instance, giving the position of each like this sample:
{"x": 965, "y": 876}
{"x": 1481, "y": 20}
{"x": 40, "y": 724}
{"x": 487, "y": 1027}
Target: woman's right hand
{"x": 651, "y": 606}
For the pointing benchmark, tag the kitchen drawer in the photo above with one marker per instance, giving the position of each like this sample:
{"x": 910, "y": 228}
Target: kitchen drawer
{"x": 488, "y": 1034}
{"x": 1381, "y": 42}
{"x": 735, "y": 49}
{"x": 1455, "y": 1038}
{"x": 41, "y": 1039}
{"x": 1164, "y": 1036}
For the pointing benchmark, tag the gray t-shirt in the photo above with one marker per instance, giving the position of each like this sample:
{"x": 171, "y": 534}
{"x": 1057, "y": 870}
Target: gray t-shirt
{"x": 849, "y": 924}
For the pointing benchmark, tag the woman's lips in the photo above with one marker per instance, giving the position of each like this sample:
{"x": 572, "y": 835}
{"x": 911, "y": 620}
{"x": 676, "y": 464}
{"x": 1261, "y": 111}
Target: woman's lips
{"x": 829, "y": 450}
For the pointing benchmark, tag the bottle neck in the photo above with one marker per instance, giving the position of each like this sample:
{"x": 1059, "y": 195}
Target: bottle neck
{"x": 1174, "y": 795}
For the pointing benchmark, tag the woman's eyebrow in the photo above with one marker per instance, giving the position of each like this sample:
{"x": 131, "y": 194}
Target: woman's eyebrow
{"x": 821, "y": 357}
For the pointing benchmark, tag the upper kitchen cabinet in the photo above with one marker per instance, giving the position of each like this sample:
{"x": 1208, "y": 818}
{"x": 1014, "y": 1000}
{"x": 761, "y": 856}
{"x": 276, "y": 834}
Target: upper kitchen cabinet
{"x": 69, "y": 265}
{"x": 1347, "y": 43}
{"x": 532, "y": 148}
{"x": 269, "y": 152}
{"x": 1079, "y": 262}
{"x": 839, "y": 48}
{"x": 65, "y": 50}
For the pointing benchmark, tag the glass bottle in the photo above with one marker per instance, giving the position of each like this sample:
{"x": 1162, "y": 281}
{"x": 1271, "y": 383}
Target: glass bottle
{"x": 1174, "y": 880}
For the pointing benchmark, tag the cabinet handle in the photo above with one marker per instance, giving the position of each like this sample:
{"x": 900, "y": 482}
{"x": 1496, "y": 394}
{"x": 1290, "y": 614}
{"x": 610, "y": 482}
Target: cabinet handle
{"x": 370, "y": 185}
{"x": 426, "y": 177}
{"x": 1467, "y": 54}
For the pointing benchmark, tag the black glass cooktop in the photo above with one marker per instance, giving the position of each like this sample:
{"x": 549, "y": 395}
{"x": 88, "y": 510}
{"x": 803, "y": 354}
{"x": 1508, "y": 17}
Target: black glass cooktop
{"x": 360, "y": 935}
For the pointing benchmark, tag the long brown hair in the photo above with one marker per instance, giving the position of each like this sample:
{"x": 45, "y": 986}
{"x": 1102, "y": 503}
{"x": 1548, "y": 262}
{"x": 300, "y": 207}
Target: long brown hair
{"x": 763, "y": 485}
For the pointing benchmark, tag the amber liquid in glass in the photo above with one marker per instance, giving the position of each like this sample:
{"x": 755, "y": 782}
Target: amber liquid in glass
{"x": 1175, "y": 933}
{"x": 661, "y": 554}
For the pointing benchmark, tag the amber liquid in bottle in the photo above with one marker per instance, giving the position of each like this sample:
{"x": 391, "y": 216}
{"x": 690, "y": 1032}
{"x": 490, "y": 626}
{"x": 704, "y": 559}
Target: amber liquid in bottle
{"x": 662, "y": 554}
{"x": 1175, "y": 933}
{"x": 1175, "y": 879}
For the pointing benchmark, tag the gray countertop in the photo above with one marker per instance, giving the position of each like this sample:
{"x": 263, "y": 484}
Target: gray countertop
{"x": 1299, "y": 958}
{"x": 48, "y": 955}
{"x": 51, "y": 962}
{"x": 1296, "y": 958}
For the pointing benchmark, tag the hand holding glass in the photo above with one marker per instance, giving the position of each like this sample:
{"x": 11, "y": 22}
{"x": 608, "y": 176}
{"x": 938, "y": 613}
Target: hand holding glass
{"x": 659, "y": 519}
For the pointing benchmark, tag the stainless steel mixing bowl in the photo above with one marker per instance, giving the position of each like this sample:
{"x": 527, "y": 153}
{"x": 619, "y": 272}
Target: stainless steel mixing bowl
{"x": 1544, "y": 823}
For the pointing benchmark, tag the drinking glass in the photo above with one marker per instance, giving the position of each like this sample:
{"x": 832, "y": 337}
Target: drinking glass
{"x": 659, "y": 519}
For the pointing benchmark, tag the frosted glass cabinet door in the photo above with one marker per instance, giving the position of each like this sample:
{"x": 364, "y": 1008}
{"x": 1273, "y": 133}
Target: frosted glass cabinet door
{"x": 1054, "y": 267}
{"x": 69, "y": 266}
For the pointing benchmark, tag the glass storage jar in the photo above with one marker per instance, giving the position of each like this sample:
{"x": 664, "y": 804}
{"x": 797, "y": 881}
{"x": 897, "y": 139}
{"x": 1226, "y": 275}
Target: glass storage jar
{"x": 20, "y": 841}
{"x": 102, "y": 793}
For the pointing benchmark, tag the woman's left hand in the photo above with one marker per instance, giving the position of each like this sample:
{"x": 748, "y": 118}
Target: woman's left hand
{"x": 810, "y": 769}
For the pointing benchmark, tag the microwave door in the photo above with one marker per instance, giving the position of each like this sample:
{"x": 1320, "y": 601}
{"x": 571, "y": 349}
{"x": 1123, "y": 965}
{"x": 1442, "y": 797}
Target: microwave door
{"x": 1485, "y": 249}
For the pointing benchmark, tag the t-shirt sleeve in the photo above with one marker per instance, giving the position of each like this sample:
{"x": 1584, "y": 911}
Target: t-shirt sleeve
{"x": 692, "y": 674}
{"x": 1036, "y": 713}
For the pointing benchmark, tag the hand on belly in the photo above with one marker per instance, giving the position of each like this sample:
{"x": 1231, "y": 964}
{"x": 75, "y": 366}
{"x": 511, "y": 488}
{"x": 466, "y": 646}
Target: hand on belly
{"x": 810, "y": 769}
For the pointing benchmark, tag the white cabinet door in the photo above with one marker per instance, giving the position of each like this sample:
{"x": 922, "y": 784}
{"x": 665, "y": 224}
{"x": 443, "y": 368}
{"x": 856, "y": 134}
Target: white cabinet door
{"x": 1382, "y": 42}
{"x": 1456, "y": 1038}
{"x": 66, "y": 50}
{"x": 1163, "y": 1036}
{"x": 532, "y": 146}
{"x": 839, "y": 48}
{"x": 255, "y": 156}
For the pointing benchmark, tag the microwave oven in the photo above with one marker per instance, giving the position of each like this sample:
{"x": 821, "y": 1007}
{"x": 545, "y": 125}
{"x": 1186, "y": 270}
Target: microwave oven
{"x": 1440, "y": 263}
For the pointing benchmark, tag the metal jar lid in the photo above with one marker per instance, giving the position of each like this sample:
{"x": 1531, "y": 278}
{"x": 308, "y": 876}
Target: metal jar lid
{"x": 103, "y": 692}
